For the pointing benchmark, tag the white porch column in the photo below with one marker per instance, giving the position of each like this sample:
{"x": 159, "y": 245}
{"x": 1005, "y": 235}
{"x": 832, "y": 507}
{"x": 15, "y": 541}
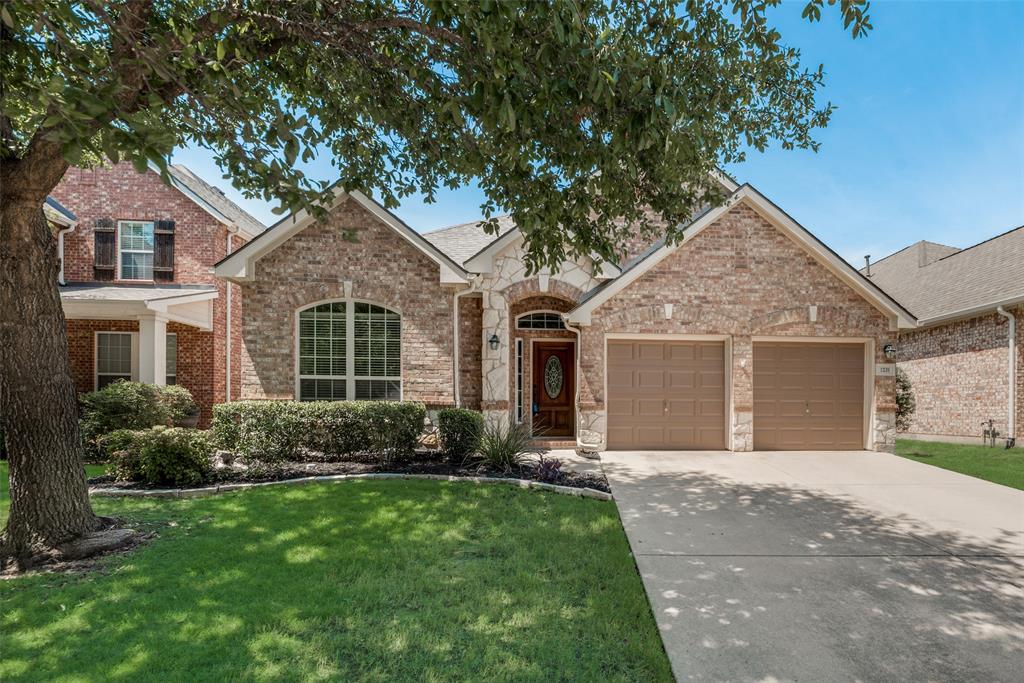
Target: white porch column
{"x": 153, "y": 350}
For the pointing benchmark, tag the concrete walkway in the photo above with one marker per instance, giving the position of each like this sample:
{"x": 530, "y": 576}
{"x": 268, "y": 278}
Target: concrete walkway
{"x": 825, "y": 566}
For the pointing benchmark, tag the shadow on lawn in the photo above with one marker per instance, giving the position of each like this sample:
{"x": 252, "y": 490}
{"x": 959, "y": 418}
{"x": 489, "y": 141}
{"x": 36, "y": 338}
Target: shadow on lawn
{"x": 352, "y": 581}
{"x": 773, "y": 581}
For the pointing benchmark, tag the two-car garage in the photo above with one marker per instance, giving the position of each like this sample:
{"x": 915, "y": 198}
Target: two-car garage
{"x": 674, "y": 394}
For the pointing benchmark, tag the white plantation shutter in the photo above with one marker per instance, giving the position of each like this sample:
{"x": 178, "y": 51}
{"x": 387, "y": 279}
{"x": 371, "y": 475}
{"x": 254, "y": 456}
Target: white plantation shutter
{"x": 349, "y": 350}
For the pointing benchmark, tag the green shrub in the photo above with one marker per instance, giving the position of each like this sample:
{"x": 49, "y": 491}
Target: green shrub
{"x": 178, "y": 401}
{"x": 164, "y": 456}
{"x": 505, "y": 446}
{"x": 270, "y": 432}
{"x": 130, "y": 405}
{"x": 459, "y": 431}
{"x": 118, "y": 440}
{"x": 906, "y": 404}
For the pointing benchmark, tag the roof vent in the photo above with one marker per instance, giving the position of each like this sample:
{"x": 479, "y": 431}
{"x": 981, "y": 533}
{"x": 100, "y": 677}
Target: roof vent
{"x": 867, "y": 265}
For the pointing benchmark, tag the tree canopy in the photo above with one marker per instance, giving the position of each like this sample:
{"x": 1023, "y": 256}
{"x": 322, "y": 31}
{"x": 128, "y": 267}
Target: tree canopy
{"x": 571, "y": 114}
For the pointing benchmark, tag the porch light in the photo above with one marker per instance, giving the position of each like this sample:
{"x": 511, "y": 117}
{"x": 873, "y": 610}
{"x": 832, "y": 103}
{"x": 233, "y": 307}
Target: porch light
{"x": 890, "y": 351}
{"x": 493, "y": 342}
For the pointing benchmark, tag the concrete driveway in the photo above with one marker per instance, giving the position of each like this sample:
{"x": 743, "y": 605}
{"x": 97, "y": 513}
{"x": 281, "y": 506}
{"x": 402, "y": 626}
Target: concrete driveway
{"x": 825, "y": 566}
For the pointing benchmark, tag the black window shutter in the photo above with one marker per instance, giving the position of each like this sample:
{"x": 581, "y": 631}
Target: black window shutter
{"x": 104, "y": 249}
{"x": 163, "y": 251}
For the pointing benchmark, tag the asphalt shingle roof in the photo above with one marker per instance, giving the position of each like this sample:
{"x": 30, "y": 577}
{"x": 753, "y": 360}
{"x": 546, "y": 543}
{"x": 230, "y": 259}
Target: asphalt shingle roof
{"x": 462, "y": 242}
{"x": 934, "y": 280}
{"x": 213, "y": 196}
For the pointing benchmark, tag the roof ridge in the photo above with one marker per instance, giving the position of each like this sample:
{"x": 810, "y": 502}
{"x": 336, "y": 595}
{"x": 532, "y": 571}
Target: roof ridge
{"x": 914, "y": 244}
{"x": 462, "y": 225}
{"x": 990, "y": 239}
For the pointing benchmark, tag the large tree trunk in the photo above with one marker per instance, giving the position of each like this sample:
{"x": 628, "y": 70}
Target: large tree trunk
{"x": 38, "y": 408}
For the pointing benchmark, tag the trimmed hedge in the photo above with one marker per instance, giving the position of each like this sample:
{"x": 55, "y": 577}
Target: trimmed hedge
{"x": 459, "y": 431}
{"x": 160, "y": 456}
{"x": 271, "y": 432}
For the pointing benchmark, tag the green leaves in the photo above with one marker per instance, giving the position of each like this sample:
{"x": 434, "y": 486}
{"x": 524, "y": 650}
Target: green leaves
{"x": 587, "y": 120}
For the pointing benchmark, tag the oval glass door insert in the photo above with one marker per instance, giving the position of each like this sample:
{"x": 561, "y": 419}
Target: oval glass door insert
{"x": 553, "y": 376}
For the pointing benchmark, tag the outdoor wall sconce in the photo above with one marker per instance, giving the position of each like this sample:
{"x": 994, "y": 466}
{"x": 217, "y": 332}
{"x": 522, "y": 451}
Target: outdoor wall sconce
{"x": 493, "y": 342}
{"x": 890, "y": 351}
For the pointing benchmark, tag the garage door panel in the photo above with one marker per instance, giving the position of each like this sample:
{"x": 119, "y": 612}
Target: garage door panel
{"x": 676, "y": 396}
{"x": 808, "y": 396}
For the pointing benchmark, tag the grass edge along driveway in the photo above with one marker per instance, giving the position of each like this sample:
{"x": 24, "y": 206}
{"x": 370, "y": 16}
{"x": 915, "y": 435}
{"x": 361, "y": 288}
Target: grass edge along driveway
{"x": 362, "y": 580}
{"x": 998, "y": 465}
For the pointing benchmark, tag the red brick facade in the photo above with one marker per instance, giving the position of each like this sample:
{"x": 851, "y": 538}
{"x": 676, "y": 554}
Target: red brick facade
{"x": 349, "y": 254}
{"x": 200, "y": 240}
{"x": 960, "y": 377}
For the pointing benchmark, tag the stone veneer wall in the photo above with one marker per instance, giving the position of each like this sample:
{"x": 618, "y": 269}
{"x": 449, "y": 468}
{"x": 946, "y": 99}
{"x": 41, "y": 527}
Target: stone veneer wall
{"x": 739, "y": 277}
{"x": 960, "y": 376}
{"x": 349, "y": 254}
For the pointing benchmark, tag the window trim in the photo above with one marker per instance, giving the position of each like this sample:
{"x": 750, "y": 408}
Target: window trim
{"x": 134, "y": 374}
{"x": 151, "y": 252}
{"x": 520, "y": 395}
{"x": 350, "y": 349}
{"x": 542, "y": 329}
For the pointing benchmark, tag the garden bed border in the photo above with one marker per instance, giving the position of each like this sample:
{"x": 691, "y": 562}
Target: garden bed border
{"x": 225, "y": 488}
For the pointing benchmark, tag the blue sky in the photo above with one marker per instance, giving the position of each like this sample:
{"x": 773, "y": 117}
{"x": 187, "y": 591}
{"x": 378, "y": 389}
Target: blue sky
{"x": 927, "y": 141}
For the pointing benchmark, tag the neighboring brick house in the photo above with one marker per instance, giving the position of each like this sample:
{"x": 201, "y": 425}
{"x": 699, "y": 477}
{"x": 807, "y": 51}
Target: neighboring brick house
{"x": 747, "y": 334}
{"x": 137, "y": 282}
{"x": 965, "y": 368}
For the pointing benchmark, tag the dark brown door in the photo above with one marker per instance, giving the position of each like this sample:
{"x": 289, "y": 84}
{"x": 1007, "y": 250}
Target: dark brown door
{"x": 808, "y": 396}
{"x": 554, "y": 387}
{"x": 665, "y": 395}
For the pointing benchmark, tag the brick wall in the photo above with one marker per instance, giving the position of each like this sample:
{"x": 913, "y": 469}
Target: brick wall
{"x": 960, "y": 376}
{"x": 739, "y": 277}
{"x": 196, "y": 360}
{"x": 470, "y": 348}
{"x": 120, "y": 193}
{"x": 352, "y": 246}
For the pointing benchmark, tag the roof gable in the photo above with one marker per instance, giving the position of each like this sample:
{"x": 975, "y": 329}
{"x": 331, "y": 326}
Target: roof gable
{"x": 239, "y": 264}
{"x": 748, "y": 195}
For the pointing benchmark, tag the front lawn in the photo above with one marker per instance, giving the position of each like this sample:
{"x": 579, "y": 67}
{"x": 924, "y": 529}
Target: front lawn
{"x": 998, "y": 465}
{"x": 359, "y": 580}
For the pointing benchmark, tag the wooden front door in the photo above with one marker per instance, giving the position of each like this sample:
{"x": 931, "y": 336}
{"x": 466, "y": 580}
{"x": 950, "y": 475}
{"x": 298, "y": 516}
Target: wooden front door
{"x": 554, "y": 389}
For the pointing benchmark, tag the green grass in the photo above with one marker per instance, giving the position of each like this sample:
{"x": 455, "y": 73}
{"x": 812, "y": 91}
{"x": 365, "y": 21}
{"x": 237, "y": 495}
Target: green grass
{"x": 997, "y": 465}
{"x": 354, "y": 581}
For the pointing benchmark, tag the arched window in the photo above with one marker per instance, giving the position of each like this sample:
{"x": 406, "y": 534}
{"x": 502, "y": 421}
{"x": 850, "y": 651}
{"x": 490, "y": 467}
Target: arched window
{"x": 540, "y": 320}
{"x": 349, "y": 350}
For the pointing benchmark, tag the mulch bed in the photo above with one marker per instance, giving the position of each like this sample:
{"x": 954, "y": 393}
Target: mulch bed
{"x": 423, "y": 463}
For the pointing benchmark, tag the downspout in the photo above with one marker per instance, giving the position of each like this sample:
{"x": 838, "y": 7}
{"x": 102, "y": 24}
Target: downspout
{"x": 232, "y": 230}
{"x": 60, "y": 250}
{"x": 455, "y": 336}
{"x": 1011, "y": 429}
{"x": 576, "y": 386}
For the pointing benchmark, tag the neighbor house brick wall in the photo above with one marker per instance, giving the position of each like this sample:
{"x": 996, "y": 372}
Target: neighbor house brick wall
{"x": 347, "y": 254}
{"x": 743, "y": 278}
{"x": 960, "y": 376}
{"x": 196, "y": 360}
{"x": 119, "y": 192}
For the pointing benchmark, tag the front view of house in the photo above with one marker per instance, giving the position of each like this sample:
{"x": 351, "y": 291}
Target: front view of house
{"x": 749, "y": 334}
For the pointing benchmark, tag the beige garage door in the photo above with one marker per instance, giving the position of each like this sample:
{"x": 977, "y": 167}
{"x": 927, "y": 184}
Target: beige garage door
{"x": 808, "y": 396}
{"x": 666, "y": 395}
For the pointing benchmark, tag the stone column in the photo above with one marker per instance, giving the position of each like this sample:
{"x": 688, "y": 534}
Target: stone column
{"x": 742, "y": 394}
{"x": 494, "y": 365}
{"x": 153, "y": 350}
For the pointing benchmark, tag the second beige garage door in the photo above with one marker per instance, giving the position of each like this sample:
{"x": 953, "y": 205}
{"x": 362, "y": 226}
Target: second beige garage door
{"x": 666, "y": 395}
{"x": 808, "y": 396}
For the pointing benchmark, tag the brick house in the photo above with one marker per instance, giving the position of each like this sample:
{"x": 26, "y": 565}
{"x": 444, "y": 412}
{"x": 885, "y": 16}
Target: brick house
{"x": 966, "y": 359}
{"x": 137, "y": 283}
{"x": 748, "y": 334}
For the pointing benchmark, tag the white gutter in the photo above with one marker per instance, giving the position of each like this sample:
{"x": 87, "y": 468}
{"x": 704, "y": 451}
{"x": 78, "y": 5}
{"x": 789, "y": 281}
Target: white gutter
{"x": 60, "y": 249}
{"x": 971, "y": 312}
{"x": 1011, "y": 428}
{"x": 455, "y": 347}
{"x": 232, "y": 230}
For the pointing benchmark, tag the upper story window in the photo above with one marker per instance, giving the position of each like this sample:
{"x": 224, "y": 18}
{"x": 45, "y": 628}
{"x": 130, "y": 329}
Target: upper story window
{"x": 543, "y": 320}
{"x": 135, "y": 244}
{"x": 349, "y": 350}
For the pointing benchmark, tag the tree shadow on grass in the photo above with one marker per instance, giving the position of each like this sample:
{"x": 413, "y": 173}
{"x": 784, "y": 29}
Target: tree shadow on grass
{"x": 351, "y": 581}
{"x": 777, "y": 581}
